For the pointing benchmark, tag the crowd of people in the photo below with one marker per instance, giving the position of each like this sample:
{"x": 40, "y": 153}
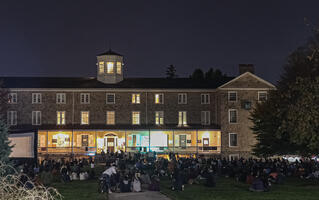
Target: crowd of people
{"x": 135, "y": 172}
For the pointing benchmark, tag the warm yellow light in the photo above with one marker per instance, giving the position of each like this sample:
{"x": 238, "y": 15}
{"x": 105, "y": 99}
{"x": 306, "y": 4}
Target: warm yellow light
{"x": 118, "y": 67}
{"x": 110, "y": 67}
{"x": 101, "y": 67}
{"x": 136, "y": 98}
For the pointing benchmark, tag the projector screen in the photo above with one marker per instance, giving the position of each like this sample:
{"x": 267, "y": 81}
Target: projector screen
{"x": 23, "y": 145}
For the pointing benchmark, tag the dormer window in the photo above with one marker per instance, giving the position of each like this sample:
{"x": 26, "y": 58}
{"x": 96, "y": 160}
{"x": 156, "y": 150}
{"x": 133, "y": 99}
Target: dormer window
{"x": 110, "y": 67}
{"x": 118, "y": 67}
{"x": 101, "y": 67}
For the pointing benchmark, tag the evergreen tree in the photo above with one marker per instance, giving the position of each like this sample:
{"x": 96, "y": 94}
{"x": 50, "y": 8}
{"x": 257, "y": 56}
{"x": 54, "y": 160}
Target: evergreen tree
{"x": 198, "y": 74}
{"x": 171, "y": 72}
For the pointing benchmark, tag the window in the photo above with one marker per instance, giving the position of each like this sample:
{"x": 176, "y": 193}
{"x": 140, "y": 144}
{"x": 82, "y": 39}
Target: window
{"x": 12, "y": 98}
{"x": 136, "y": 99}
{"x": 36, "y": 98}
{"x": 12, "y": 118}
{"x": 85, "y": 98}
{"x": 262, "y": 96}
{"x": 85, "y": 115}
{"x": 232, "y": 96}
{"x": 118, "y": 67}
{"x": 182, "y": 98}
{"x": 110, "y": 98}
{"x": 60, "y": 117}
{"x": 135, "y": 117}
{"x": 233, "y": 139}
{"x": 110, "y": 117}
{"x": 60, "y": 98}
{"x": 205, "y": 117}
{"x": 182, "y": 118}
{"x": 205, "y": 98}
{"x": 159, "y": 117}
{"x": 232, "y": 115}
{"x": 36, "y": 117}
{"x": 159, "y": 98}
{"x": 101, "y": 67}
{"x": 110, "y": 67}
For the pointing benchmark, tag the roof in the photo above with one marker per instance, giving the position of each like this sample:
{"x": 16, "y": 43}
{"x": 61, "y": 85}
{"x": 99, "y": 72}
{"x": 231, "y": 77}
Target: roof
{"x": 110, "y": 52}
{"x": 136, "y": 83}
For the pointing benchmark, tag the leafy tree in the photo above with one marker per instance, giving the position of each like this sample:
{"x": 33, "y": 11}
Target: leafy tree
{"x": 171, "y": 72}
{"x": 198, "y": 74}
{"x": 215, "y": 75}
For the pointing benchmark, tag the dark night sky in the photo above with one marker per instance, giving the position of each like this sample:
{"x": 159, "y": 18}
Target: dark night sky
{"x": 62, "y": 38}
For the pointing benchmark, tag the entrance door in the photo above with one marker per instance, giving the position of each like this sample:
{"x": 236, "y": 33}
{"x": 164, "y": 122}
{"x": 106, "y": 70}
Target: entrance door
{"x": 182, "y": 141}
{"x": 110, "y": 144}
{"x": 205, "y": 143}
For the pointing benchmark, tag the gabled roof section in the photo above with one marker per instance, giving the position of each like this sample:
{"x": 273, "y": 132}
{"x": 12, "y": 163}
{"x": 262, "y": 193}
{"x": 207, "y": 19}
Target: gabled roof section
{"x": 247, "y": 80}
{"x": 110, "y": 52}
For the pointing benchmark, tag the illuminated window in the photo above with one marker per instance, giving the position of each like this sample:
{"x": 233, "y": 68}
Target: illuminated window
{"x": 182, "y": 98}
{"x": 85, "y": 98}
{"x": 101, "y": 67}
{"x": 232, "y": 96}
{"x": 159, "y": 98}
{"x": 233, "y": 139}
{"x": 60, "y": 98}
{"x": 182, "y": 118}
{"x": 205, "y": 98}
{"x": 136, "y": 99}
{"x": 135, "y": 117}
{"x": 159, "y": 117}
{"x": 118, "y": 67}
{"x": 110, "y": 67}
{"x": 232, "y": 114}
{"x": 262, "y": 96}
{"x": 205, "y": 117}
{"x": 110, "y": 98}
{"x": 110, "y": 117}
{"x": 12, "y": 98}
{"x": 36, "y": 98}
{"x": 12, "y": 118}
{"x": 85, "y": 117}
{"x": 36, "y": 117}
{"x": 60, "y": 117}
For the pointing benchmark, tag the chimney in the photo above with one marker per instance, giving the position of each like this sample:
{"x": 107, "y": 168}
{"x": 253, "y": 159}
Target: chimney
{"x": 246, "y": 68}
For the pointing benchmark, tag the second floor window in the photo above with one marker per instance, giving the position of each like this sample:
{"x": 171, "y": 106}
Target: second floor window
{"x": 159, "y": 117}
{"x": 110, "y": 117}
{"x": 12, "y": 98}
{"x": 12, "y": 118}
{"x": 135, "y": 117}
{"x": 262, "y": 96}
{"x": 205, "y": 98}
{"x": 110, "y": 98}
{"x": 182, "y": 98}
{"x": 205, "y": 117}
{"x": 233, "y": 140}
{"x": 85, "y": 98}
{"x": 36, "y": 117}
{"x": 85, "y": 117}
{"x": 36, "y": 98}
{"x": 136, "y": 99}
{"x": 159, "y": 98}
{"x": 232, "y": 96}
{"x": 232, "y": 114}
{"x": 60, "y": 117}
{"x": 182, "y": 118}
{"x": 60, "y": 98}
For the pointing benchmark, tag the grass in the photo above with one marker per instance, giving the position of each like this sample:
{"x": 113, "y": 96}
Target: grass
{"x": 228, "y": 189}
{"x": 79, "y": 190}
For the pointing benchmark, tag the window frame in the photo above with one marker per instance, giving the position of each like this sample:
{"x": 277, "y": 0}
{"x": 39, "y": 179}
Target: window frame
{"x": 107, "y": 118}
{"x": 205, "y": 121}
{"x": 106, "y": 99}
{"x": 107, "y": 67}
{"x": 59, "y": 114}
{"x": 12, "y": 118}
{"x": 262, "y": 92}
{"x": 82, "y": 117}
{"x": 182, "y": 98}
{"x": 229, "y": 118}
{"x": 135, "y": 98}
{"x": 118, "y": 67}
{"x": 38, "y": 97}
{"x": 85, "y": 102}
{"x": 139, "y": 117}
{"x": 235, "y": 92}
{"x": 159, "y": 94}
{"x": 62, "y": 97}
{"x": 184, "y": 116}
{"x": 203, "y": 98}
{"x": 160, "y": 116}
{"x": 11, "y": 96}
{"x": 34, "y": 114}
{"x": 229, "y": 136}
{"x": 100, "y": 65}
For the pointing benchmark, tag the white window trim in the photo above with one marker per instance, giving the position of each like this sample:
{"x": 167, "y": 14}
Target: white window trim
{"x": 13, "y": 94}
{"x": 182, "y": 94}
{"x": 139, "y": 120}
{"x": 107, "y": 117}
{"x": 36, "y": 94}
{"x": 159, "y": 118}
{"x": 61, "y": 95}
{"x": 88, "y": 118}
{"x": 229, "y": 139}
{"x": 201, "y": 95}
{"x": 106, "y": 98}
{"x": 135, "y": 98}
{"x": 203, "y": 122}
{"x": 36, "y": 111}
{"x": 229, "y": 110}
{"x": 11, "y": 118}
{"x": 57, "y": 122}
{"x": 182, "y": 124}
{"x": 229, "y": 96}
{"x": 260, "y": 92}
{"x": 89, "y": 99}
{"x": 162, "y": 98}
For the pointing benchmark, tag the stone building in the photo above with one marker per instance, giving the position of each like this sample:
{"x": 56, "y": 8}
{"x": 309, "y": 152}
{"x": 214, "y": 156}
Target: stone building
{"x": 83, "y": 116}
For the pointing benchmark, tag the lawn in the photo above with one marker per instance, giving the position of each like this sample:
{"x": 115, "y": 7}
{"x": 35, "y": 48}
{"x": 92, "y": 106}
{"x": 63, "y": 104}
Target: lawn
{"x": 228, "y": 189}
{"x": 79, "y": 190}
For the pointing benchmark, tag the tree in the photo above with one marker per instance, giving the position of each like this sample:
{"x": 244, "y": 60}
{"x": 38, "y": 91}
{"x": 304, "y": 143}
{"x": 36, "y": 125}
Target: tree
{"x": 215, "y": 75}
{"x": 171, "y": 72}
{"x": 288, "y": 122}
{"x": 198, "y": 74}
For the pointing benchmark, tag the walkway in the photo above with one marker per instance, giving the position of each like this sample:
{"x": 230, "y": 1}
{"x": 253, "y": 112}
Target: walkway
{"x": 147, "y": 195}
